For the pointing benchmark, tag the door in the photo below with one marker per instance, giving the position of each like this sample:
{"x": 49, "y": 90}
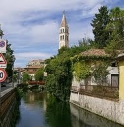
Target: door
{"x": 115, "y": 80}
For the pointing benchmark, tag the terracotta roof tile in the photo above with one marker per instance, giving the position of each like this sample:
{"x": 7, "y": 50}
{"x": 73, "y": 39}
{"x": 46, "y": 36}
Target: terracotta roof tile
{"x": 95, "y": 52}
{"x": 34, "y": 67}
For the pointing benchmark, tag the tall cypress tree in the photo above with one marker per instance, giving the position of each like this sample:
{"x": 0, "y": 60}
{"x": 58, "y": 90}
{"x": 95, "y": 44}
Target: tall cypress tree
{"x": 99, "y": 24}
{"x": 9, "y": 59}
{"x": 116, "y": 28}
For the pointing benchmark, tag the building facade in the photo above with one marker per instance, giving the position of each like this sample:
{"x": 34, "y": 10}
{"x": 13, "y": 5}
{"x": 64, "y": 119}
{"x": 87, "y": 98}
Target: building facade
{"x": 33, "y": 66}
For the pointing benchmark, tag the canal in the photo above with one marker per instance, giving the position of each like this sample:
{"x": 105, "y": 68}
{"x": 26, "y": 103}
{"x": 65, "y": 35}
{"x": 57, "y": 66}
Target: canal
{"x": 44, "y": 110}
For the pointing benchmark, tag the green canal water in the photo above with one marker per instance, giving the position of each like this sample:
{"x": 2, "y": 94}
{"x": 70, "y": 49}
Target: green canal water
{"x": 44, "y": 110}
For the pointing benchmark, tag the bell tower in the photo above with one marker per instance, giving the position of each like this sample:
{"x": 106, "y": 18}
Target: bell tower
{"x": 63, "y": 33}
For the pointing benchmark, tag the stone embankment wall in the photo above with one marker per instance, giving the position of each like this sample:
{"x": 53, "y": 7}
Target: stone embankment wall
{"x": 112, "y": 110}
{"x": 7, "y": 101}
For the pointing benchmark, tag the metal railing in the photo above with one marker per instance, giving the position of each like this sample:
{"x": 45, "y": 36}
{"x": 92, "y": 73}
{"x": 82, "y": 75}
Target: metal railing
{"x": 98, "y": 91}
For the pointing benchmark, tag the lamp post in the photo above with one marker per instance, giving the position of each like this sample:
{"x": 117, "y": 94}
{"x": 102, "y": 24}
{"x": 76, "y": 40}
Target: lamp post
{"x": 13, "y": 60}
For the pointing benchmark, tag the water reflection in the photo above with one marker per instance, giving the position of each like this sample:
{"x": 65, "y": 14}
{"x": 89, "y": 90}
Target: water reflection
{"x": 83, "y": 118}
{"x": 57, "y": 113}
{"x": 44, "y": 110}
{"x": 32, "y": 110}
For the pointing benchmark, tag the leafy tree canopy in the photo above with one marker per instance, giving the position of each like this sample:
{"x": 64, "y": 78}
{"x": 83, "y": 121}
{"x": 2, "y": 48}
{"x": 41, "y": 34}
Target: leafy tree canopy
{"x": 39, "y": 74}
{"x": 25, "y": 77}
{"x": 82, "y": 70}
{"x": 116, "y": 29}
{"x": 99, "y": 24}
{"x": 9, "y": 58}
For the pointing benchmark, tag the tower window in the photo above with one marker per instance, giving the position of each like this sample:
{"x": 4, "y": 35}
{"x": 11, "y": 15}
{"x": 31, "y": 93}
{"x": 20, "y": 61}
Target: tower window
{"x": 63, "y": 37}
{"x": 60, "y": 37}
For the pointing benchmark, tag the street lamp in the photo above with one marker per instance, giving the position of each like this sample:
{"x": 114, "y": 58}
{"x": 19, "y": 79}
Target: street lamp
{"x": 13, "y": 60}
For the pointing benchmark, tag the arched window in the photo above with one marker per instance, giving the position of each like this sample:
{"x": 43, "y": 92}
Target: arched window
{"x": 60, "y": 37}
{"x": 63, "y": 37}
{"x": 67, "y": 38}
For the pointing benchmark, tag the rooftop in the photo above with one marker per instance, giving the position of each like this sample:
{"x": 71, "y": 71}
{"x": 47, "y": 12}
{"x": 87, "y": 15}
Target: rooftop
{"x": 95, "y": 52}
{"x": 64, "y": 21}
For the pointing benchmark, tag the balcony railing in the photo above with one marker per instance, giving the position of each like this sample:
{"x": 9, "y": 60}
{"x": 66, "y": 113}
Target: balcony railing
{"x": 109, "y": 92}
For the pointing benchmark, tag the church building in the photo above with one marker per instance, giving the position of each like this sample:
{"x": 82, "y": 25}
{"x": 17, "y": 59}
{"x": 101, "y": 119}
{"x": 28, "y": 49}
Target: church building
{"x": 64, "y": 33}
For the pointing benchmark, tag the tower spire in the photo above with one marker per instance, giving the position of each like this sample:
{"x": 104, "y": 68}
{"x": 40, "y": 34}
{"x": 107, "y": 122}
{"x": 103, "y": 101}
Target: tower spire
{"x": 64, "y": 32}
{"x": 64, "y": 21}
{"x": 64, "y": 12}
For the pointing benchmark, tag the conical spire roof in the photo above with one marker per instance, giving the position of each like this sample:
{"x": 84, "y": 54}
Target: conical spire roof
{"x": 64, "y": 21}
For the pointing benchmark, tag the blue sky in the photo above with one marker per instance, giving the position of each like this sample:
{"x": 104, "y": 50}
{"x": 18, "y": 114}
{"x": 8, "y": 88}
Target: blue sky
{"x": 32, "y": 26}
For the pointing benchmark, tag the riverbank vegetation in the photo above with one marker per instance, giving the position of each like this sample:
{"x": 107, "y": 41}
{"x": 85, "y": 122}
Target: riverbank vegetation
{"x": 59, "y": 70}
{"x": 108, "y": 33}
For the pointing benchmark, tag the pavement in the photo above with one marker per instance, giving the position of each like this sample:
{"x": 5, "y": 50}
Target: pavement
{"x": 9, "y": 85}
{"x": 7, "y": 88}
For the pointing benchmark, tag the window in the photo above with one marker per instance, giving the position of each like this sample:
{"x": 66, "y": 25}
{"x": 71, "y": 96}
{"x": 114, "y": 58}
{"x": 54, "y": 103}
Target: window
{"x": 115, "y": 80}
{"x": 63, "y": 37}
{"x": 114, "y": 64}
{"x": 60, "y": 37}
{"x": 67, "y": 38}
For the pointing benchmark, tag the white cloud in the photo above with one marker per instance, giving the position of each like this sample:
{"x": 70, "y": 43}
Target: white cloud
{"x": 32, "y": 55}
{"x": 91, "y": 11}
{"x": 47, "y": 32}
{"x": 79, "y": 31}
{"x": 23, "y": 58}
{"x": 15, "y": 8}
{"x": 29, "y": 23}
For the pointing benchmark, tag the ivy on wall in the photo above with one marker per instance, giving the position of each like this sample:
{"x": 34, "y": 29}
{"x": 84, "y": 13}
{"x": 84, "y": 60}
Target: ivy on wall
{"x": 100, "y": 73}
{"x": 82, "y": 70}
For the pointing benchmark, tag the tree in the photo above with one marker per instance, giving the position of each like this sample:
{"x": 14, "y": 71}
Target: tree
{"x": 39, "y": 74}
{"x": 9, "y": 58}
{"x": 100, "y": 73}
{"x": 59, "y": 71}
{"x": 116, "y": 29}
{"x": 61, "y": 50}
{"x": 99, "y": 24}
{"x": 25, "y": 77}
{"x": 1, "y": 33}
{"x": 82, "y": 70}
